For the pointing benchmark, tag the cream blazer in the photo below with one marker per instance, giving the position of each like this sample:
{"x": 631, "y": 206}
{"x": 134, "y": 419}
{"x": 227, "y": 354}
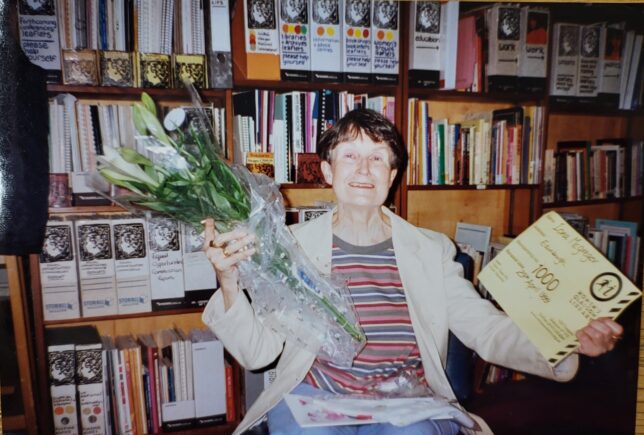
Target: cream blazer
{"x": 439, "y": 300}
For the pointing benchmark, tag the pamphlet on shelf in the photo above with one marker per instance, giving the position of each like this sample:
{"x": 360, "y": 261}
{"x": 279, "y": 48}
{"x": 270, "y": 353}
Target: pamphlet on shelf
{"x": 326, "y": 40}
{"x": 295, "y": 40}
{"x": 58, "y": 272}
{"x": 385, "y": 29}
{"x": 356, "y": 31}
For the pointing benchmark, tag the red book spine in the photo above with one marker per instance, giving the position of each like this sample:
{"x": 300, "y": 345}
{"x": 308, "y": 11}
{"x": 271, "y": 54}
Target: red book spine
{"x": 231, "y": 415}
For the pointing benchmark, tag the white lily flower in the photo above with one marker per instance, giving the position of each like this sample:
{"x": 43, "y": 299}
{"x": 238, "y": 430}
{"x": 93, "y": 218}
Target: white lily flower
{"x": 113, "y": 160}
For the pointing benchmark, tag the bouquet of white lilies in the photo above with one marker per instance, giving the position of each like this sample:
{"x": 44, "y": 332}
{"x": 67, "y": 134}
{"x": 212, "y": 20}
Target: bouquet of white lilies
{"x": 179, "y": 171}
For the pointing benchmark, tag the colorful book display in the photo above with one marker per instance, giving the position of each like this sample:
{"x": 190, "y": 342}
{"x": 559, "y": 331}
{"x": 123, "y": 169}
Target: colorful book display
{"x": 261, "y": 40}
{"x": 295, "y": 40}
{"x": 326, "y": 40}
{"x": 356, "y": 28}
{"x": 385, "y": 27}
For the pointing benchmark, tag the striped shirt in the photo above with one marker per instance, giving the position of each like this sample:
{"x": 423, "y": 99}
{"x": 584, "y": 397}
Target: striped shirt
{"x": 372, "y": 276}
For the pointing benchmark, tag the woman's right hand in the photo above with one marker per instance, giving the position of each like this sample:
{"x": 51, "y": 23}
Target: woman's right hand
{"x": 225, "y": 251}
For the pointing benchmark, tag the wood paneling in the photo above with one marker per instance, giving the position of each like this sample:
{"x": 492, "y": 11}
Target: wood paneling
{"x": 439, "y": 210}
{"x": 563, "y": 127}
{"x": 142, "y": 325}
{"x": 307, "y": 197}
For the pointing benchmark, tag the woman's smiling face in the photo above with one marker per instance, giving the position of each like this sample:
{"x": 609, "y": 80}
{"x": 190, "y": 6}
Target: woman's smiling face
{"x": 360, "y": 172}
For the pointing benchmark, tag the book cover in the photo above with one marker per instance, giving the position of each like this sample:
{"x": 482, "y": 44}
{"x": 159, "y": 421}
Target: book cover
{"x": 199, "y": 278}
{"x": 588, "y": 65}
{"x": 356, "y": 41}
{"x": 326, "y": 40}
{"x": 90, "y": 386}
{"x": 58, "y": 272}
{"x": 261, "y": 163}
{"x": 116, "y": 68}
{"x": 166, "y": 264}
{"x": 385, "y": 27}
{"x": 155, "y": 70}
{"x": 210, "y": 376}
{"x": 190, "y": 67}
{"x": 96, "y": 267}
{"x": 466, "y": 61}
{"x": 563, "y": 74}
{"x": 295, "y": 40}
{"x": 62, "y": 387}
{"x": 131, "y": 265}
{"x": 65, "y": 374}
{"x": 425, "y": 44}
{"x": 220, "y": 65}
{"x": 504, "y": 31}
{"x": 308, "y": 169}
{"x": 533, "y": 49}
{"x": 309, "y": 213}
{"x": 38, "y": 29}
{"x": 261, "y": 40}
{"x": 80, "y": 67}
{"x": 610, "y": 64}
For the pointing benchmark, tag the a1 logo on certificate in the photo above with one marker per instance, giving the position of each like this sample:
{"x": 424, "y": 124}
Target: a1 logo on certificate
{"x": 551, "y": 281}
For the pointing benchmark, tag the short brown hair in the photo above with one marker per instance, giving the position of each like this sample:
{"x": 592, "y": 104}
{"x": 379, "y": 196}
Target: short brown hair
{"x": 364, "y": 121}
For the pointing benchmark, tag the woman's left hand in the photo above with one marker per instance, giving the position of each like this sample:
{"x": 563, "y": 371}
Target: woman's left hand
{"x": 599, "y": 336}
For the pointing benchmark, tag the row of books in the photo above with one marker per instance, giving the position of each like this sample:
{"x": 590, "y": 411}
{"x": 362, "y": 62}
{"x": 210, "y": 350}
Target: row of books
{"x": 134, "y": 69}
{"x": 290, "y": 123}
{"x": 80, "y": 129}
{"x": 120, "y": 27}
{"x": 617, "y": 240}
{"x": 498, "y": 147}
{"x": 105, "y": 265}
{"x": 598, "y": 59}
{"x": 578, "y": 170}
{"x": 141, "y": 384}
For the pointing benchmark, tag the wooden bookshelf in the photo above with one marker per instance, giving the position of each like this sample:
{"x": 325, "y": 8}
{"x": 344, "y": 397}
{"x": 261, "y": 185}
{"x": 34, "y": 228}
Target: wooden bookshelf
{"x": 508, "y": 209}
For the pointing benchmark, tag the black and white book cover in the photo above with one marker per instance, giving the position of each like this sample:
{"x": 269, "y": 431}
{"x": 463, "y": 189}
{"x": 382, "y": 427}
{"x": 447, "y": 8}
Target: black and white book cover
{"x": 295, "y": 40}
{"x": 356, "y": 39}
{"x": 564, "y": 74}
{"x": 38, "y": 28}
{"x": 58, "y": 272}
{"x": 199, "y": 276}
{"x": 62, "y": 387}
{"x": 89, "y": 380}
{"x": 261, "y": 27}
{"x": 326, "y": 40}
{"x": 588, "y": 66}
{"x": 96, "y": 267}
{"x": 504, "y": 31}
{"x": 166, "y": 263}
{"x": 533, "y": 51}
{"x": 427, "y": 37}
{"x": 385, "y": 27}
{"x": 132, "y": 265}
{"x": 220, "y": 65}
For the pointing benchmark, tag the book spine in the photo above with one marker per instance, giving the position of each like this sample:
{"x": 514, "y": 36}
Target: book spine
{"x": 231, "y": 413}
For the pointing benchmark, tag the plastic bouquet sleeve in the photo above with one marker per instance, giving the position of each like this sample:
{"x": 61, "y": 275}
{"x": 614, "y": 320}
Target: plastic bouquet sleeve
{"x": 177, "y": 169}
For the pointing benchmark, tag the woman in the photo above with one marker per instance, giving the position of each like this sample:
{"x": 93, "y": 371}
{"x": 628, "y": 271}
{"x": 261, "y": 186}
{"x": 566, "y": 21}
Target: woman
{"x": 403, "y": 281}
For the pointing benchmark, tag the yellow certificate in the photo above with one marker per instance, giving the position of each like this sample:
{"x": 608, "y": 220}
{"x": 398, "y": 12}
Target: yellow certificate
{"x": 551, "y": 281}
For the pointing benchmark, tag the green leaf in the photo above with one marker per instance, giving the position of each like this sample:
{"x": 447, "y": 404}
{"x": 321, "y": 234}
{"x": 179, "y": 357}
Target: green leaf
{"x": 148, "y": 103}
{"x": 133, "y": 156}
{"x": 153, "y": 125}
{"x": 137, "y": 119}
{"x": 118, "y": 180}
